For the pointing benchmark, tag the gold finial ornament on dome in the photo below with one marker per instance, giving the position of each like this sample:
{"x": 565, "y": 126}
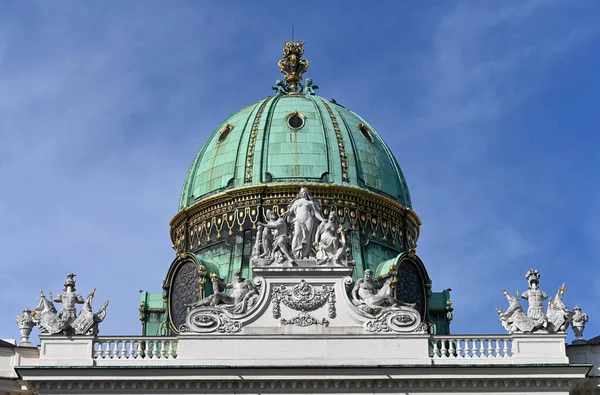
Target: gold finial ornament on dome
{"x": 292, "y": 66}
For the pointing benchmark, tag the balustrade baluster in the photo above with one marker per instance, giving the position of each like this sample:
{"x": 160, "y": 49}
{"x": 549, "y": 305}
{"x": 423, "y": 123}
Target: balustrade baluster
{"x": 506, "y": 350}
{"x": 134, "y": 349}
{"x": 451, "y": 349}
{"x": 107, "y": 353}
{"x": 154, "y": 349}
{"x": 498, "y": 349}
{"x": 162, "y": 349}
{"x": 436, "y": 350}
{"x": 171, "y": 350}
{"x": 459, "y": 348}
{"x": 482, "y": 348}
{"x": 490, "y": 350}
{"x": 105, "y": 350}
{"x": 144, "y": 347}
{"x": 444, "y": 350}
{"x": 126, "y": 349}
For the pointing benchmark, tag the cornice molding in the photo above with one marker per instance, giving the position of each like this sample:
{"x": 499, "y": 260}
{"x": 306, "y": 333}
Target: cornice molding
{"x": 359, "y": 383}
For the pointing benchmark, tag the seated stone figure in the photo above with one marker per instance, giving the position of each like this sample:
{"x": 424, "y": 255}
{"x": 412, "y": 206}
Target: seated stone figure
{"x": 372, "y": 297}
{"x": 329, "y": 244}
{"x": 244, "y": 294}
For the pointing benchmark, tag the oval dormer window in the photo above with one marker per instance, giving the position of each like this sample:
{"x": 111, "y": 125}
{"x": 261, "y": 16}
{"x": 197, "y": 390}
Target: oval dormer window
{"x": 223, "y": 133}
{"x": 365, "y": 132}
{"x": 295, "y": 120}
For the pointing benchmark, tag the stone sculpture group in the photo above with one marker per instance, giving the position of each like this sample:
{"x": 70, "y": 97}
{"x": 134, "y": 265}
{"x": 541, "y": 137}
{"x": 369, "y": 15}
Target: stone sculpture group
{"x": 67, "y": 321}
{"x": 301, "y": 236}
{"x": 556, "y": 319}
{"x": 301, "y": 239}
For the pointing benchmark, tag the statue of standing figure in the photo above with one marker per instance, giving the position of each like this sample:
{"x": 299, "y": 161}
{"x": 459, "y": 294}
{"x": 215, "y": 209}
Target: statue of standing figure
{"x": 69, "y": 299}
{"x": 535, "y": 296}
{"x": 274, "y": 239}
{"x": 305, "y": 212}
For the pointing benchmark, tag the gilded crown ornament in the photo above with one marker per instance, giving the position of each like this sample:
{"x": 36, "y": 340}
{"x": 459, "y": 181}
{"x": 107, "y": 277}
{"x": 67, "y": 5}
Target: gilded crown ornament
{"x": 292, "y": 66}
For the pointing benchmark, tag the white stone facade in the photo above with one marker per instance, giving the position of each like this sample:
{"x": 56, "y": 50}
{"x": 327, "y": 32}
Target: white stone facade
{"x": 194, "y": 364}
{"x": 300, "y": 332}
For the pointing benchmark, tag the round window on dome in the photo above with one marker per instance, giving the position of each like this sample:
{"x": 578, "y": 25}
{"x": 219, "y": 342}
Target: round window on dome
{"x": 223, "y": 133}
{"x": 295, "y": 120}
{"x": 365, "y": 132}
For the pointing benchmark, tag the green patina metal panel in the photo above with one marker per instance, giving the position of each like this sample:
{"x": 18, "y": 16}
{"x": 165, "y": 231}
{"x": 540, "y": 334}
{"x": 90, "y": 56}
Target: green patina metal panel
{"x": 376, "y": 170}
{"x": 296, "y": 154}
{"x": 218, "y": 165}
{"x": 153, "y": 314}
{"x": 217, "y": 258}
{"x": 375, "y": 253}
{"x": 287, "y": 154}
{"x": 440, "y": 312}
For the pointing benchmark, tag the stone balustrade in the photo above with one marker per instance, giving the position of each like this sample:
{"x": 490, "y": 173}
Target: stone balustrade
{"x": 134, "y": 348}
{"x": 417, "y": 349}
{"x": 468, "y": 349}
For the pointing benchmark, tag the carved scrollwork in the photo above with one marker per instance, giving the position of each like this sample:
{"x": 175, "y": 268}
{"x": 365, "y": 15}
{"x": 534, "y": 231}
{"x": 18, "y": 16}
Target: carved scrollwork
{"x": 207, "y": 321}
{"x": 303, "y": 297}
{"x": 305, "y": 319}
{"x": 393, "y": 320}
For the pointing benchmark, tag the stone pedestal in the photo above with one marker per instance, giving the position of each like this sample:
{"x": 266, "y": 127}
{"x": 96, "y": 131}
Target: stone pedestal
{"x": 56, "y": 350}
{"x": 539, "y": 348}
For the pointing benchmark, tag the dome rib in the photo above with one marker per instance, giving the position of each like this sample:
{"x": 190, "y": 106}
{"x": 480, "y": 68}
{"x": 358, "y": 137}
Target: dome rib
{"x": 358, "y": 172}
{"x": 264, "y": 149}
{"x": 238, "y": 178}
{"x": 255, "y": 134}
{"x": 330, "y": 161}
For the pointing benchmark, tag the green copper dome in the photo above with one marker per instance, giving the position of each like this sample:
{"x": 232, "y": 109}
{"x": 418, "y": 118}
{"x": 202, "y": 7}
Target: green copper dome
{"x": 294, "y": 138}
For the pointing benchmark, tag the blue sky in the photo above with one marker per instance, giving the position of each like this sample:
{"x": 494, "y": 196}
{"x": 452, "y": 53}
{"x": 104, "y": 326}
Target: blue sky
{"x": 490, "y": 107}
